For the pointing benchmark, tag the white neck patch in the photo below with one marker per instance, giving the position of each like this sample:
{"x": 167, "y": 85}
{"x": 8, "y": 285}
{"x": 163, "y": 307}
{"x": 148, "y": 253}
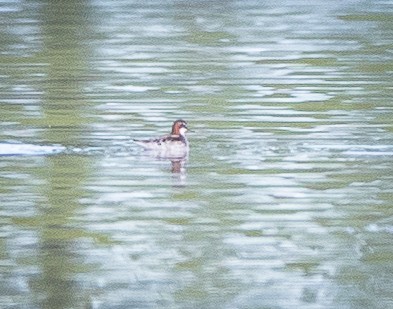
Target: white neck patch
{"x": 182, "y": 131}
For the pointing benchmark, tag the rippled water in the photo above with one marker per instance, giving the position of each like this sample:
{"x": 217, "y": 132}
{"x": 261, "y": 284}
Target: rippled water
{"x": 286, "y": 198}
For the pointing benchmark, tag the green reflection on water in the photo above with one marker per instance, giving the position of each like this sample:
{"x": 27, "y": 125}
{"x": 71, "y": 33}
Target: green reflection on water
{"x": 262, "y": 211}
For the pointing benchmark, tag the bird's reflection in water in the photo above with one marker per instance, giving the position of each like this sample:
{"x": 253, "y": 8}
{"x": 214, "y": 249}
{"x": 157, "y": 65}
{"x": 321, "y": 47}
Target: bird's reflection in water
{"x": 179, "y": 172}
{"x": 178, "y": 165}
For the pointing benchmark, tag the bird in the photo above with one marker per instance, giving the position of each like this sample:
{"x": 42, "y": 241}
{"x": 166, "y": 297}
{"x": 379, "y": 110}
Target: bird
{"x": 174, "y": 144}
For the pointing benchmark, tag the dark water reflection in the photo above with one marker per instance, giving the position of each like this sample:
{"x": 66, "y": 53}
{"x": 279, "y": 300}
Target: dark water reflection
{"x": 285, "y": 199}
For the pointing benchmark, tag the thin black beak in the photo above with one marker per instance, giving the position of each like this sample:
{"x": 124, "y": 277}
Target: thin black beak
{"x": 186, "y": 127}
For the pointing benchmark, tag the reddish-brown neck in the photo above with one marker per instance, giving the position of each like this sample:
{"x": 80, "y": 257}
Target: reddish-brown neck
{"x": 176, "y": 128}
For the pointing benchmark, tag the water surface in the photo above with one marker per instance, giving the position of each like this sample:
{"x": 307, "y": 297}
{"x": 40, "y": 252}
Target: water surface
{"x": 285, "y": 200}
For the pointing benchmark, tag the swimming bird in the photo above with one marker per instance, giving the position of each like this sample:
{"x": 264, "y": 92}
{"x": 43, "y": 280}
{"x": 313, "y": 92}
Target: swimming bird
{"x": 171, "y": 145}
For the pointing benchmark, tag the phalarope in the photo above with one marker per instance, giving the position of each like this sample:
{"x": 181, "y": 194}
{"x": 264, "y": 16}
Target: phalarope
{"x": 171, "y": 145}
